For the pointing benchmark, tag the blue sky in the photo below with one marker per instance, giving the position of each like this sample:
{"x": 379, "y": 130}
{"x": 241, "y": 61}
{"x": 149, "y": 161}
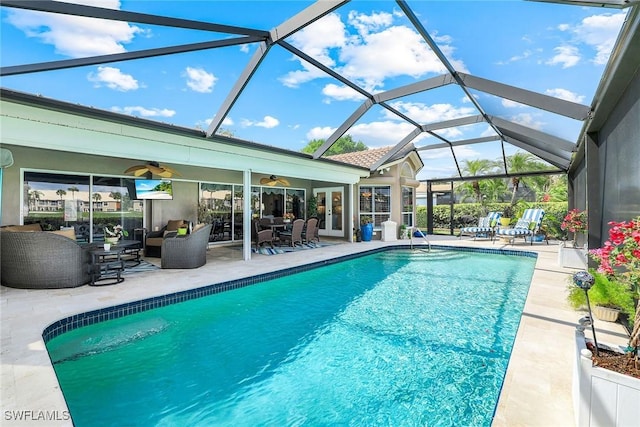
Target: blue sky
{"x": 552, "y": 49}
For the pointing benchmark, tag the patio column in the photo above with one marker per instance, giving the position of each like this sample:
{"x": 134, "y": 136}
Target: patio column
{"x": 246, "y": 217}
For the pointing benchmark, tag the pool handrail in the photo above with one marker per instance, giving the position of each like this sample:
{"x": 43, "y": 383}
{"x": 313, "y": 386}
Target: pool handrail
{"x": 424, "y": 237}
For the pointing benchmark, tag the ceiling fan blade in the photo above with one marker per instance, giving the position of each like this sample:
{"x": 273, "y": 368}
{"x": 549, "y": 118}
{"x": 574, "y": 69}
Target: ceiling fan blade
{"x": 136, "y": 168}
{"x": 283, "y": 181}
{"x": 170, "y": 170}
{"x": 272, "y": 183}
{"x": 165, "y": 174}
{"x": 155, "y": 170}
{"x": 140, "y": 172}
{"x": 264, "y": 181}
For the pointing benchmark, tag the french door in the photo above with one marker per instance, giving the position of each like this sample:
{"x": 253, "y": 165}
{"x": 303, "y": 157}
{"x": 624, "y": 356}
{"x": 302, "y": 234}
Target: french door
{"x": 330, "y": 211}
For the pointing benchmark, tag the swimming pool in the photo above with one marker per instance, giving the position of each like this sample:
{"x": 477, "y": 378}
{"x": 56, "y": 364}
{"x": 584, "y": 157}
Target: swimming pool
{"x": 393, "y": 338}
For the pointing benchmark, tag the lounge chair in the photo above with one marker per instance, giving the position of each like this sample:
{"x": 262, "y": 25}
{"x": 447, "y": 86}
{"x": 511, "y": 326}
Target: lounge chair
{"x": 527, "y": 226}
{"x": 486, "y": 226}
{"x": 295, "y": 235}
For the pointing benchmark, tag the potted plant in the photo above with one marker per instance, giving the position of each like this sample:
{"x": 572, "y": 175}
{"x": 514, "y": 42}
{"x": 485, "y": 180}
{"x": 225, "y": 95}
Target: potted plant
{"x": 112, "y": 236}
{"x": 575, "y": 222}
{"x": 403, "y": 231}
{"x": 507, "y": 214}
{"x": 608, "y": 297}
{"x": 312, "y": 206}
{"x": 570, "y": 255}
{"x": 366, "y": 228}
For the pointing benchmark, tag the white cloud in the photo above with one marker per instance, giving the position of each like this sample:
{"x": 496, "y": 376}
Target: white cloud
{"x": 76, "y": 36}
{"x": 434, "y": 113}
{"x": 438, "y": 153}
{"x": 565, "y": 94}
{"x": 199, "y": 80}
{"x": 566, "y": 55}
{"x": 600, "y": 32}
{"x": 228, "y": 121}
{"x": 341, "y": 93}
{"x": 465, "y": 99}
{"x": 113, "y": 78}
{"x": 510, "y": 104}
{"x": 563, "y": 27}
{"x": 144, "y": 112}
{"x": 396, "y": 51}
{"x": 380, "y": 133}
{"x": 376, "y": 51}
{"x": 527, "y": 119}
{"x": 320, "y": 133}
{"x": 267, "y": 122}
{"x": 364, "y": 24}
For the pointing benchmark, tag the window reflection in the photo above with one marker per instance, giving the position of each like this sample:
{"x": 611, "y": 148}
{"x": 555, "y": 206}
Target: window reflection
{"x": 57, "y": 201}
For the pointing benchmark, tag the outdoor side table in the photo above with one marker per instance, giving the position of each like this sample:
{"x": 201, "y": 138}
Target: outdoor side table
{"x": 106, "y": 266}
{"x": 130, "y": 252}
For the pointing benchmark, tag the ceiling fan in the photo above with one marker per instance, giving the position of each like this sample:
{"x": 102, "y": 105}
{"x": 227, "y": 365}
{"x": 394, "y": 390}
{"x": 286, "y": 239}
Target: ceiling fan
{"x": 273, "y": 180}
{"x": 152, "y": 168}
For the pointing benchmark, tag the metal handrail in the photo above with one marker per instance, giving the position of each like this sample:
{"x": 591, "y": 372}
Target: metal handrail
{"x": 424, "y": 237}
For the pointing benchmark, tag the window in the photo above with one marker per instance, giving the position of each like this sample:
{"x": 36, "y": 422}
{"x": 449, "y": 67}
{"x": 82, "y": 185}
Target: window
{"x": 296, "y": 203}
{"x": 222, "y": 205}
{"x": 86, "y": 203}
{"x": 375, "y": 203}
{"x": 407, "y": 206}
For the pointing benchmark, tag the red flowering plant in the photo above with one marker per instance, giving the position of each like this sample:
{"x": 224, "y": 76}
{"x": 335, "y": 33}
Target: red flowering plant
{"x": 620, "y": 258}
{"x": 575, "y": 222}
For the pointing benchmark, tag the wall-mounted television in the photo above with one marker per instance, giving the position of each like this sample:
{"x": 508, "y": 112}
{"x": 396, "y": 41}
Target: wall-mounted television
{"x": 154, "y": 189}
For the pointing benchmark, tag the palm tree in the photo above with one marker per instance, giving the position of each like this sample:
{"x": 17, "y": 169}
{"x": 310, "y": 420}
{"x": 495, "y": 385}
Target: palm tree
{"x": 495, "y": 189}
{"x": 34, "y": 196}
{"x": 117, "y": 196}
{"x": 521, "y": 162}
{"x": 474, "y": 168}
{"x": 73, "y": 191}
{"x": 60, "y": 192}
{"x": 96, "y": 198}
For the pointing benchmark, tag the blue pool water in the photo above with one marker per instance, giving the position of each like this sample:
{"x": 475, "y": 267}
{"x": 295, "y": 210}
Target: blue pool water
{"x": 394, "y": 338}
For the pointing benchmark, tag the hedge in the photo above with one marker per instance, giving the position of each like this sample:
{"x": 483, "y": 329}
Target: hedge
{"x": 554, "y": 213}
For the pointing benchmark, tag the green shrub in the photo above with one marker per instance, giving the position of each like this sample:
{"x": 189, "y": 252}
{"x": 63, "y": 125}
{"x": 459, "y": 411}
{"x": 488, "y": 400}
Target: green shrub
{"x": 554, "y": 213}
{"x": 604, "y": 292}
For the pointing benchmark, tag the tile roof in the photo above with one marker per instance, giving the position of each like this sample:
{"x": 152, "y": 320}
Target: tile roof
{"x": 364, "y": 158}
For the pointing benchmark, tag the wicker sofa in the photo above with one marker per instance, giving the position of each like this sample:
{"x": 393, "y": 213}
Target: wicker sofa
{"x": 188, "y": 251}
{"x": 41, "y": 259}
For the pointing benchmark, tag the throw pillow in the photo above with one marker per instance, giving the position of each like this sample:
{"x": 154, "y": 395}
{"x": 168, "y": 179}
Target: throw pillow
{"x": 174, "y": 224}
{"x": 69, "y": 233}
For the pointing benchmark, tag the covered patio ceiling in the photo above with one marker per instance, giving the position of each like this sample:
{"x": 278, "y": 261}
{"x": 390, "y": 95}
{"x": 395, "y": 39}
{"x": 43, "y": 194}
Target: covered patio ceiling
{"x": 431, "y": 95}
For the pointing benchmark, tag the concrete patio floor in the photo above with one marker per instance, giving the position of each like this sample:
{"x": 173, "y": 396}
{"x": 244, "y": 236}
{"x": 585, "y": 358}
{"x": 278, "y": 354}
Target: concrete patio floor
{"x": 536, "y": 390}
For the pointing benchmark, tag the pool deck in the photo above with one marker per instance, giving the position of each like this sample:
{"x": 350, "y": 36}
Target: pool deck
{"x": 536, "y": 390}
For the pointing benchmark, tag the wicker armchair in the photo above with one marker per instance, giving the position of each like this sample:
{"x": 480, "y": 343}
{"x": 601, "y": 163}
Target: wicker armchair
{"x": 188, "y": 251}
{"x": 42, "y": 260}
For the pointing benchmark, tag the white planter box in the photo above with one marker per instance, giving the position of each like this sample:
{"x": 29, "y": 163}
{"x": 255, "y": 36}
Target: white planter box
{"x": 602, "y": 397}
{"x": 572, "y": 257}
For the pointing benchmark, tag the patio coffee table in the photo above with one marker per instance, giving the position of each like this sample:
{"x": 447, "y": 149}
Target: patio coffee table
{"x": 106, "y": 266}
